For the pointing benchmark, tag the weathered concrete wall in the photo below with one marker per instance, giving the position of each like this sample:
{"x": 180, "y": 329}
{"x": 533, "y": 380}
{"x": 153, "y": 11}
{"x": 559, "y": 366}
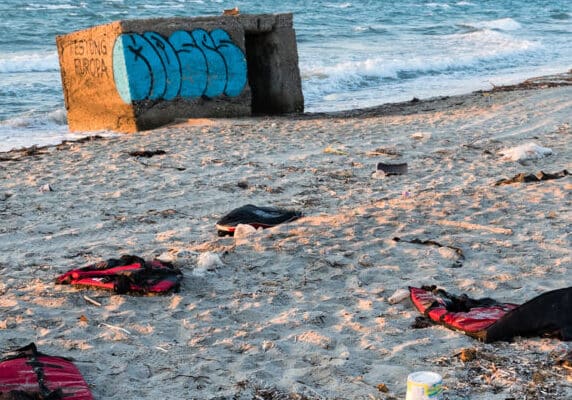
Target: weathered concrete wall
{"x": 140, "y": 74}
{"x": 273, "y": 70}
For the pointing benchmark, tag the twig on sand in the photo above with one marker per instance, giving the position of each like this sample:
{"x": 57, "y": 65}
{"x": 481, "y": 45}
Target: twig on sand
{"x": 115, "y": 327}
{"x": 92, "y": 301}
{"x": 161, "y": 166}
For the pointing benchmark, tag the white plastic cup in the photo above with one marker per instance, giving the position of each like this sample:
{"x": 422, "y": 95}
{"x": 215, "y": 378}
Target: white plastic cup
{"x": 424, "y": 385}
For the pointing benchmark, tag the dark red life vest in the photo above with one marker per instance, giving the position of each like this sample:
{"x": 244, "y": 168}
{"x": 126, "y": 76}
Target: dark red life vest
{"x": 29, "y": 374}
{"x": 127, "y": 274}
{"x": 549, "y": 314}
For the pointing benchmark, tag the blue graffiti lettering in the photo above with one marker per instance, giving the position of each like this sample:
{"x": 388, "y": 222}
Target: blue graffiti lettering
{"x": 170, "y": 63}
{"x": 187, "y": 64}
{"x": 216, "y": 76}
{"x": 234, "y": 62}
{"x": 193, "y": 64}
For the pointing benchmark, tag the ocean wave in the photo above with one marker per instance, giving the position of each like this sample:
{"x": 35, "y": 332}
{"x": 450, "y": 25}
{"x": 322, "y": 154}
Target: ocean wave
{"x": 32, "y": 62}
{"x": 343, "y": 5}
{"x": 444, "y": 6}
{"x": 36, "y": 6}
{"x": 369, "y": 29}
{"x": 473, "y": 52}
{"x": 469, "y": 49}
{"x": 503, "y": 24}
{"x": 34, "y": 119}
{"x": 488, "y": 43}
{"x": 560, "y": 16}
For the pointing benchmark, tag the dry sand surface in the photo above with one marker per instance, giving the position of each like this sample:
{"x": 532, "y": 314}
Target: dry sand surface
{"x": 299, "y": 311}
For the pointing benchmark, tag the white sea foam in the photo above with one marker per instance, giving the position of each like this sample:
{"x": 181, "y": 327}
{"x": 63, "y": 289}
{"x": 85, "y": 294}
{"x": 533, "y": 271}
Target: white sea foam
{"x": 503, "y": 24}
{"x": 438, "y": 5}
{"x": 34, "y": 119}
{"x": 343, "y": 5}
{"x": 37, "y": 6}
{"x": 29, "y": 62}
{"x": 41, "y": 129}
{"x": 488, "y": 43}
{"x": 470, "y": 50}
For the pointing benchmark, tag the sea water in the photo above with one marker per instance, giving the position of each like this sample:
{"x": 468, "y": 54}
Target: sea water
{"x": 352, "y": 54}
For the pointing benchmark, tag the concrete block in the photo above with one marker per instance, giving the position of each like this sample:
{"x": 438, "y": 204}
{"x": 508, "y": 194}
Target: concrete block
{"x": 140, "y": 74}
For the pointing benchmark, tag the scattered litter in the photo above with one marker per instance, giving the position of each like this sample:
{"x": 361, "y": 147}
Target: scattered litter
{"x": 398, "y": 296}
{"x": 466, "y": 355}
{"x": 382, "y": 387}
{"x": 331, "y": 150}
{"x": 244, "y": 230}
{"x": 421, "y": 135}
{"x": 28, "y": 374}
{"x": 382, "y": 151}
{"x": 565, "y": 361}
{"x": 128, "y": 274}
{"x": 458, "y": 251}
{"x": 209, "y": 261}
{"x": 45, "y": 188}
{"x": 549, "y": 314}
{"x": 147, "y": 153}
{"x": 392, "y": 169}
{"x": 258, "y": 217}
{"x": 528, "y": 151}
{"x": 424, "y": 385}
{"x": 539, "y": 176}
{"x": 115, "y": 328}
{"x": 92, "y": 301}
{"x": 166, "y": 257}
{"x": 231, "y": 11}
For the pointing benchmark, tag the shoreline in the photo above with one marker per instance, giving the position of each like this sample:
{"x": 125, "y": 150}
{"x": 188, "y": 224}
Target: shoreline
{"x": 413, "y": 106}
{"x": 302, "y": 310}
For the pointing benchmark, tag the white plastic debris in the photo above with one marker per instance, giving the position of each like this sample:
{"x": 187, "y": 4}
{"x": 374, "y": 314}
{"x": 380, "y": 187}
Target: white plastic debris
{"x": 398, "y": 296}
{"x": 243, "y": 230}
{"x": 528, "y": 151}
{"x": 166, "y": 257}
{"x": 421, "y": 135}
{"x": 208, "y": 261}
{"x": 45, "y": 188}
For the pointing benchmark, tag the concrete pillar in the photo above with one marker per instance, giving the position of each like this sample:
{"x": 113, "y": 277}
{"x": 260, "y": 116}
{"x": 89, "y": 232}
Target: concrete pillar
{"x": 140, "y": 74}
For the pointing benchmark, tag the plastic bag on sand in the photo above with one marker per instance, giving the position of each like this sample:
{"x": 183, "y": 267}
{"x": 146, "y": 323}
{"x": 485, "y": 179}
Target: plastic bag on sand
{"x": 208, "y": 261}
{"x": 528, "y": 151}
{"x": 398, "y": 296}
{"x": 243, "y": 230}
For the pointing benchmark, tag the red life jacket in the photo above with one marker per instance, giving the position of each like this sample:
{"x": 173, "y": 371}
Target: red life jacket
{"x": 127, "y": 274}
{"x": 549, "y": 314}
{"x": 29, "y": 374}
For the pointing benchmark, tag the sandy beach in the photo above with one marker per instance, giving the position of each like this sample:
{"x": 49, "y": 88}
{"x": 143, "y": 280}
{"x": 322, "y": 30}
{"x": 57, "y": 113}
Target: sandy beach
{"x": 300, "y": 311}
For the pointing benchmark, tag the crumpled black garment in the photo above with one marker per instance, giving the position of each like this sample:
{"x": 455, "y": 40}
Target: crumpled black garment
{"x": 549, "y": 314}
{"x": 546, "y": 315}
{"x": 539, "y": 176}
